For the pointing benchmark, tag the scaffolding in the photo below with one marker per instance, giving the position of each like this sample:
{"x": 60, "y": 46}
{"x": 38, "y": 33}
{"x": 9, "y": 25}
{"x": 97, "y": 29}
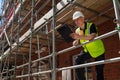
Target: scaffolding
{"x": 28, "y": 30}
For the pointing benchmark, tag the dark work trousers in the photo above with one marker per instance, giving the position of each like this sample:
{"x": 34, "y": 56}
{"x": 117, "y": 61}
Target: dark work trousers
{"x": 80, "y": 72}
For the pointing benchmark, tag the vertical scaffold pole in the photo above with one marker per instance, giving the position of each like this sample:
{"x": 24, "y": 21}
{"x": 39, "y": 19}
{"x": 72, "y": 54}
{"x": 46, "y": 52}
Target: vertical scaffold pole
{"x": 53, "y": 42}
{"x": 22, "y": 67}
{"x": 117, "y": 14}
{"x": 2, "y": 52}
{"x": 11, "y": 41}
{"x": 3, "y": 49}
{"x": 30, "y": 50}
{"x": 8, "y": 66}
{"x": 15, "y": 63}
{"x": 0, "y": 70}
{"x": 48, "y": 42}
{"x": 38, "y": 51}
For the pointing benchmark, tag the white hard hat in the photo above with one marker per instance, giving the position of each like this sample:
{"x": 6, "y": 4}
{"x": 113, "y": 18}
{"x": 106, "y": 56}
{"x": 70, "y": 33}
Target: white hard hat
{"x": 77, "y": 14}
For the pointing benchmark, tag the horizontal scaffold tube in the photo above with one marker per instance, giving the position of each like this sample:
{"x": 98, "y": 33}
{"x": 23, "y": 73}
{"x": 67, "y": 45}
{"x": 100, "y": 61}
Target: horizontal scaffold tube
{"x": 92, "y": 63}
{"x": 76, "y": 66}
{"x": 34, "y": 74}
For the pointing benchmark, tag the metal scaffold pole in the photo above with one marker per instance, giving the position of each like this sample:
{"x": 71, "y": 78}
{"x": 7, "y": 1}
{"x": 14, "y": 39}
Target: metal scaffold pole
{"x": 22, "y": 73}
{"x": 8, "y": 60}
{"x": 30, "y": 49}
{"x": 53, "y": 42}
{"x": 48, "y": 42}
{"x": 38, "y": 48}
{"x": 8, "y": 66}
{"x": 11, "y": 40}
{"x": 116, "y": 4}
{"x": 2, "y": 51}
{"x": 15, "y": 63}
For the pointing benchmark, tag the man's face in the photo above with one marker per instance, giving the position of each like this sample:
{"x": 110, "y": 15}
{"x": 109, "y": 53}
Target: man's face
{"x": 79, "y": 21}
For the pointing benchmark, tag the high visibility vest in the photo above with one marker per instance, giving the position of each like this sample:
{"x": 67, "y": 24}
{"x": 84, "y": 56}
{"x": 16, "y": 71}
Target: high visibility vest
{"x": 95, "y": 48}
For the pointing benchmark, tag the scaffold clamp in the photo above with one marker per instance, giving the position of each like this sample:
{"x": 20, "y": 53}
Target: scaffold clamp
{"x": 116, "y": 21}
{"x": 118, "y": 28}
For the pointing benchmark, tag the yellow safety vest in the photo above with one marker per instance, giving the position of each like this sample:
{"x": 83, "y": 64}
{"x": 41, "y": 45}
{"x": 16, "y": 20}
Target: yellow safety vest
{"x": 95, "y": 48}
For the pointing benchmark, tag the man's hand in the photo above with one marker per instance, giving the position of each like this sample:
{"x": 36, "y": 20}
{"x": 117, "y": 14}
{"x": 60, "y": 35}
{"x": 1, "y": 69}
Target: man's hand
{"x": 75, "y": 36}
{"x": 75, "y": 42}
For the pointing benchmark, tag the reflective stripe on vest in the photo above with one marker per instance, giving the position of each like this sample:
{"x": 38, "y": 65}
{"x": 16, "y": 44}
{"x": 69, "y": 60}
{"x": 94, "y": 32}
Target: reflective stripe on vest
{"x": 95, "y": 48}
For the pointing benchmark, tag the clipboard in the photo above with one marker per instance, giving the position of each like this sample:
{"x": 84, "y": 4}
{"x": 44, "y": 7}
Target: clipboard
{"x": 65, "y": 32}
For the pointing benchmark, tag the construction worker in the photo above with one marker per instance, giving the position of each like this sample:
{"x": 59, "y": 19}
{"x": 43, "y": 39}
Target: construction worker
{"x": 87, "y": 31}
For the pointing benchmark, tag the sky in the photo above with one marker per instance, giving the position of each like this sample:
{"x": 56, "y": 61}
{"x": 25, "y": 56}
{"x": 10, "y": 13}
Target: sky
{"x": 1, "y": 2}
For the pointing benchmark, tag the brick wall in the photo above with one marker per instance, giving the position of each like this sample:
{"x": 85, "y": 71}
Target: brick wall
{"x": 112, "y": 45}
